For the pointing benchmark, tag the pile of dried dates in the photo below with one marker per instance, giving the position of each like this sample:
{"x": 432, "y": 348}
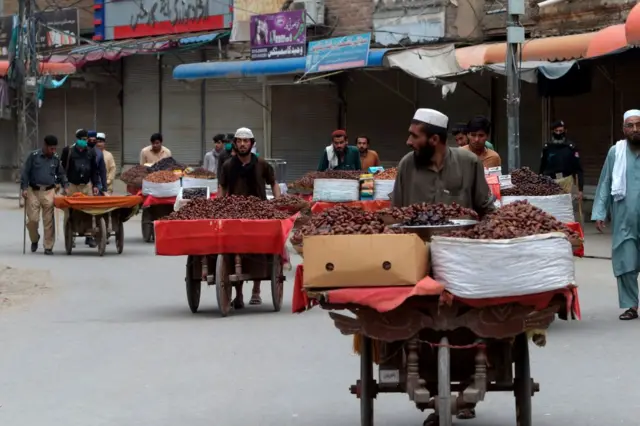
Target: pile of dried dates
{"x": 135, "y": 175}
{"x": 193, "y": 193}
{"x": 387, "y": 174}
{"x": 528, "y": 183}
{"x": 231, "y": 207}
{"x": 343, "y": 220}
{"x": 166, "y": 164}
{"x": 290, "y": 203}
{"x": 200, "y": 173}
{"x": 306, "y": 181}
{"x": 518, "y": 219}
{"x": 424, "y": 214}
{"x": 162, "y": 177}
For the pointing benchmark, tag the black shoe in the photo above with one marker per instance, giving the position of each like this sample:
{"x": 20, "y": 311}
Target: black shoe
{"x": 34, "y": 247}
{"x": 92, "y": 243}
{"x": 48, "y": 252}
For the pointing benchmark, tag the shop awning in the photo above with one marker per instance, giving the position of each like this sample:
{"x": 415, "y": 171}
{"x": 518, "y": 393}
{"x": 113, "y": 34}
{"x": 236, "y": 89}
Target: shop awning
{"x": 239, "y": 69}
{"x": 545, "y": 49}
{"x": 529, "y": 69}
{"x": 472, "y": 56}
{"x": 45, "y": 68}
{"x": 632, "y": 26}
{"x": 608, "y": 40}
{"x": 427, "y": 62}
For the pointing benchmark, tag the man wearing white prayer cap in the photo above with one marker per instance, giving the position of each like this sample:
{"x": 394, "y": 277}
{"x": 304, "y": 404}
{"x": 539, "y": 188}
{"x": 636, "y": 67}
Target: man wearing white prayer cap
{"x": 618, "y": 194}
{"x": 561, "y": 160}
{"x": 436, "y": 173}
{"x": 246, "y": 174}
{"x": 109, "y": 161}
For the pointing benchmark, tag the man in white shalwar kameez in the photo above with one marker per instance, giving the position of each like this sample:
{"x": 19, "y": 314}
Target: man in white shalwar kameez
{"x": 618, "y": 193}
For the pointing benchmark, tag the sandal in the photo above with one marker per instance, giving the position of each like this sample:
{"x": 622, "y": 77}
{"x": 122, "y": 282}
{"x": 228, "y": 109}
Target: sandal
{"x": 466, "y": 414}
{"x": 255, "y": 300}
{"x": 629, "y": 314}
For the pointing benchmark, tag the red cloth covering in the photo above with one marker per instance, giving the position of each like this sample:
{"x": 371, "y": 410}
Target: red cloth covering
{"x": 150, "y": 200}
{"x": 575, "y": 226}
{"x": 221, "y": 236}
{"x": 134, "y": 190}
{"x": 370, "y": 206}
{"x": 81, "y": 201}
{"x": 385, "y": 299}
{"x": 494, "y": 185}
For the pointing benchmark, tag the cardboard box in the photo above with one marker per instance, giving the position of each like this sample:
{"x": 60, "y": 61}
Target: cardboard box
{"x": 339, "y": 261}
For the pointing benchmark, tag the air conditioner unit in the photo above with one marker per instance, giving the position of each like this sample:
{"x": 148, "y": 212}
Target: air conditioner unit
{"x": 314, "y": 10}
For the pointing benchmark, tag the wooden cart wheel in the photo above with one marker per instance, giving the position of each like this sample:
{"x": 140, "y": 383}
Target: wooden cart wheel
{"x": 120, "y": 238}
{"x": 444, "y": 383}
{"x": 523, "y": 385}
{"x": 277, "y": 283}
{"x": 147, "y": 226}
{"x": 366, "y": 382}
{"x": 68, "y": 236}
{"x": 223, "y": 286}
{"x": 102, "y": 236}
{"x": 193, "y": 284}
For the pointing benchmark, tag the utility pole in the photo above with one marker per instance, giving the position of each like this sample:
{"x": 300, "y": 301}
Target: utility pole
{"x": 515, "y": 37}
{"x": 24, "y": 77}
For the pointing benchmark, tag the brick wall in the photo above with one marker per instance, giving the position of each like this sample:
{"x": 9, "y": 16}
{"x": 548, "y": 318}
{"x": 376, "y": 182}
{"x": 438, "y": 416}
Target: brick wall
{"x": 85, "y": 9}
{"x": 349, "y": 16}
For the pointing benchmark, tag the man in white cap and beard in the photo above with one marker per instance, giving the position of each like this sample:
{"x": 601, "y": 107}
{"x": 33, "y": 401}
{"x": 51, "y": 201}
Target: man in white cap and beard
{"x": 436, "y": 173}
{"x": 248, "y": 175}
{"x": 618, "y": 194}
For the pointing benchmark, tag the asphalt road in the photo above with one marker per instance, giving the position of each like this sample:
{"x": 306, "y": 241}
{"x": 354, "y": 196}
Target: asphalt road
{"x": 112, "y": 343}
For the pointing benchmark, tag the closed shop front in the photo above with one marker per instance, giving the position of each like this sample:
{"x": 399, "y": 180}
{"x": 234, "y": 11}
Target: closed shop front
{"x": 302, "y": 120}
{"x": 231, "y": 104}
{"x": 141, "y": 103}
{"x": 182, "y": 111}
{"x": 52, "y": 117}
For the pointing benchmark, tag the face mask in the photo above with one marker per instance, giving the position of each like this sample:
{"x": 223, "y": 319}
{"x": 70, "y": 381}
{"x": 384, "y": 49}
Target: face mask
{"x": 558, "y": 136}
{"x": 227, "y": 146}
{"x": 81, "y": 143}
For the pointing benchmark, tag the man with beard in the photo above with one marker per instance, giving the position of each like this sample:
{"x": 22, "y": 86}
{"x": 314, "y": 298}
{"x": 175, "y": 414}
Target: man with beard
{"x": 478, "y": 131}
{"x": 618, "y": 194}
{"x": 436, "y": 173}
{"x": 246, "y": 174}
{"x": 368, "y": 157}
{"x": 339, "y": 155}
{"x": 561, "y": 160}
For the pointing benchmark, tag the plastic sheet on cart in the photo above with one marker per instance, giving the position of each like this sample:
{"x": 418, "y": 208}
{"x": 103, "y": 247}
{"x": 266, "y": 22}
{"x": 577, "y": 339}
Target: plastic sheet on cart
{"x": 161, "y": 190}
{"x": 385, "y": 299}
{"x": 371, "y": 206}
{"x": 217, "y": 236}
{"x": 150, "y": 200}
{"x": 96, "y": 204}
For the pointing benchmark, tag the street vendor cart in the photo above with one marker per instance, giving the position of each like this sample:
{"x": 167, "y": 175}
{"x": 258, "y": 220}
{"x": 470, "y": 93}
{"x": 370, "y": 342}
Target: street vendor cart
{"x": 226, "y": 252}
{"x": 97, "y": 217}
{"x": 429, "y": 344}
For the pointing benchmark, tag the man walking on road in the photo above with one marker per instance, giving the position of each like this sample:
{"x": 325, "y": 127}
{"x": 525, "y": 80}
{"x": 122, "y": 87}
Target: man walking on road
{"x": 618, "y": 192}
{"x": 109, "y": 162}
{"x": 41, "y": 172}
{"x": 561, "y": 160}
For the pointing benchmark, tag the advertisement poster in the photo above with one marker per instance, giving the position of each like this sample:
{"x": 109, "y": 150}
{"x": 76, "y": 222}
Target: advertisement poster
{"x": 278, "y": 35}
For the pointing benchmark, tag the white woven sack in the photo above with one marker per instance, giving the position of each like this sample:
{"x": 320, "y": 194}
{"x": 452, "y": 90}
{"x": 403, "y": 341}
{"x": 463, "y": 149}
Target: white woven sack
{"x": 558, "y": 206}
{"x": 382, "y": 189}
{"x": 336, "y": 190}
{"x": 479, "y": 269}
{"x": 161, "y": 190}
{"x": 212, "y": 184}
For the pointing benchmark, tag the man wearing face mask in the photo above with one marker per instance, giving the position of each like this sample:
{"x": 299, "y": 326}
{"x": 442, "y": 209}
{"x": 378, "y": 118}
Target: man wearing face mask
{"x": 618, "y": 194}
{"x": 248, "y": 175}
{"x": 561, "y": 160}
{"x": 436, "y": 173}
{"x": 92, "y": 140}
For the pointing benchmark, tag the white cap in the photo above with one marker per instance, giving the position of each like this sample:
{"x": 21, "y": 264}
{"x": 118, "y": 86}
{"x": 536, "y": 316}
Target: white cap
{"x": 631, "y": 113}
{"x": 244, "y": 133}
{"x": 431, "y": 116}
{"x": 101, "y": 136}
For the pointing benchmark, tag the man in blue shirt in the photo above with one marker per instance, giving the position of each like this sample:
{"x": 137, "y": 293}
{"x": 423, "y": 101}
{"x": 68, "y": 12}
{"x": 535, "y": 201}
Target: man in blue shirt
{"x": 102, "y": 168}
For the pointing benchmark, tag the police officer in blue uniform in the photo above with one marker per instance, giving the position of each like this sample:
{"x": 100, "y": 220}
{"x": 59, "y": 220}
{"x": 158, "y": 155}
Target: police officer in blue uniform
{"x": 560, "y": 157}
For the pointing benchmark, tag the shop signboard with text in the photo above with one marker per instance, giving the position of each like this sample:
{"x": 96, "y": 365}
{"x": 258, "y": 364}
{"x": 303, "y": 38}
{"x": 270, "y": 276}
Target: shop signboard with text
{"x": 278, "y": 35}
{"x": 338, "y": 53}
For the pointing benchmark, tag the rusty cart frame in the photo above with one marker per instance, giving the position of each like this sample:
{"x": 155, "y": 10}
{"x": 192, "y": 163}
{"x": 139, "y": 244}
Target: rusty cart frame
{"x": 428, "y": 350}
{"x": 213, "y": 270}
{"x": 78, "y": 223}
{"x": 151, "y": 214}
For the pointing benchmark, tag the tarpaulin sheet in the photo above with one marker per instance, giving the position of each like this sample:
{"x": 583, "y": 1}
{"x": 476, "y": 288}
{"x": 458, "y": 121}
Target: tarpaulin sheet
{"x": 150, "y": 200}
{"x": 370, "y": 206}
{"x": 385, "y": 299}
{"x": 221, "y": 236}
{"x": 575, "y": 226}
{"x": 86, "y": 202}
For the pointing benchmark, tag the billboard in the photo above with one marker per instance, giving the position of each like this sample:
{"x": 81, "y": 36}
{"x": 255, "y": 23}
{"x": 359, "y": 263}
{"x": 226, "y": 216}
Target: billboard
{"x": 278, "y": 35}
{"x": 339, "y": 53}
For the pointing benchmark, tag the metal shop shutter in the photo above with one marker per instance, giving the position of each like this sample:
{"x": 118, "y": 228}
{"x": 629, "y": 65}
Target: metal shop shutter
{"x": 231, "y": 104}
{"x": 80, "y": 110}
{"x": 109, "y": 119}
{"x": 181, "y": 111}
{"x": 141, "y": 100}
{"x": 52, "y": 117}
{"x": 377, "y": 111}
{"x": 302, "y": 120}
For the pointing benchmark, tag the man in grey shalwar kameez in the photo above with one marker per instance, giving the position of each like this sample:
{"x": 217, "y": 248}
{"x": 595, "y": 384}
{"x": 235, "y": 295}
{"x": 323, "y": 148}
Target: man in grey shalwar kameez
{"x": 619, "y": 193}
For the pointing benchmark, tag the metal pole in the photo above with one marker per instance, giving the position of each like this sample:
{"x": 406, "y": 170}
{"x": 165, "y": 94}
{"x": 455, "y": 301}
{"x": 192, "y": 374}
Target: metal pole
{"x": 515, "y": 37}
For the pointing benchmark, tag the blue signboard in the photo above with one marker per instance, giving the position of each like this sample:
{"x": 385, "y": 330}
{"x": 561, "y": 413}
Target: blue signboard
{"x": 338, "y": 53}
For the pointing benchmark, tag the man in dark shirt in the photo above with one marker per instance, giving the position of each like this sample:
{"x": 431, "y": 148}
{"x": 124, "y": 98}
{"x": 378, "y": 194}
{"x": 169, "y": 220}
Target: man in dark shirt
{"x": 41, "y": 172}
{"x": 92, "y": 140}
{"x": 246, "y": 174}
{"x": 560, "y": 158}
{"x": 339, "y": 155}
